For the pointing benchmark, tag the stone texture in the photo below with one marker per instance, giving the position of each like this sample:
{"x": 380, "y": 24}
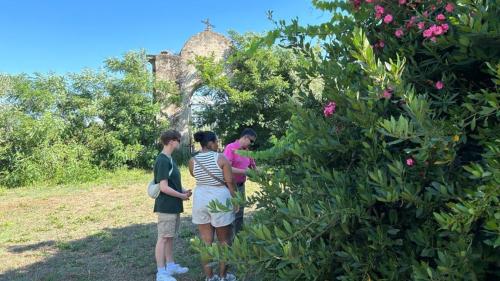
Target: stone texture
{"x": 178, "y": 68}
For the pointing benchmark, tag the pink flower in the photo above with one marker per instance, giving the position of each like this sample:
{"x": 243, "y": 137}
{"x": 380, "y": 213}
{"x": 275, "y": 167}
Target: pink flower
{"x": 421, "y": 25}
{"x": 387, "y": 94}
{"x": 427, "y": 33}
{"x": 425, "y": 14}
{"x": 411, "y": 22}
{"x": 449, "y": 7}
{"x": 439, "y": 85}
{"x": 388, "y": 18}
{"x": 440, "y": 17}
{"x": 410, "y": 162}
{"x": 402, "y": 2}
{"x": 399, "y": 32}
{"x": 329, "y": 109}
{"x": 379, "y": 11}
{"x": 445, "y": 27}
{"x": 381, "y": 44}
{"x": 356, "y": 3}
{"x": 438, "y": 30}
{"x": 369, "y": 1}
{"x": 433, "y": 39}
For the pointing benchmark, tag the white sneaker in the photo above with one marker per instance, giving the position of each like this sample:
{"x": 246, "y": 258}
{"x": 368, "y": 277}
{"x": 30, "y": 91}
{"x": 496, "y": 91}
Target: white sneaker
{"x": 164, "y": 277}
{"x": 229, "y": 277}
{"x": 213, "y": 278}
{"x": 176, "y": 269}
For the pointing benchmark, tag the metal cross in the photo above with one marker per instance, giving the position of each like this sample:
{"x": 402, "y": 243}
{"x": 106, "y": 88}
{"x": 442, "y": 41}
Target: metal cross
{"x": 209, "y": 26}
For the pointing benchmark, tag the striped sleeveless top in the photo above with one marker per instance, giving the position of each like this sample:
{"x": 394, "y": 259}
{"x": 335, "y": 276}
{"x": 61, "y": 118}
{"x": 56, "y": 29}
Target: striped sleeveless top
{"x": 209, "y": 160}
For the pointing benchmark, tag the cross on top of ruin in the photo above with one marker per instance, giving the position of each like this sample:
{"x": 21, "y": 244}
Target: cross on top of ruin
{"x": 209, "y": 26}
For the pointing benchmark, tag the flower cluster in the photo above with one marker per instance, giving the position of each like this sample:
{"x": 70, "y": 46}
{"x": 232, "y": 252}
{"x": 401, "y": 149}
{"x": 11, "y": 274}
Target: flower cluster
{"x": 421, "y": 17}
{"x": 329, "y": 109}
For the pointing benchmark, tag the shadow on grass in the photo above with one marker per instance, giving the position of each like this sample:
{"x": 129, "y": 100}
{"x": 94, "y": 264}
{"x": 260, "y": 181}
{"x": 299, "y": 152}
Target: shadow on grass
{"x": 123, "y": 254}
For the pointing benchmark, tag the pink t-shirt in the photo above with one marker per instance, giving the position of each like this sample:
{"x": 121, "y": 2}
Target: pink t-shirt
{"x": 238, "y": 161}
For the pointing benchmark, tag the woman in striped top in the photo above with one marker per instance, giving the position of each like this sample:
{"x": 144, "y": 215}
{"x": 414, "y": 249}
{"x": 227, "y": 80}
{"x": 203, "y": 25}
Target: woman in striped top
{"x": 214, "y": 182}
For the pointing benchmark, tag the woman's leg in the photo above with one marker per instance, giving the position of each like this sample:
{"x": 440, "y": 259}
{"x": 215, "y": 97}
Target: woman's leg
{"x": 224, "y": 237}
{"x": 207, "y": 236}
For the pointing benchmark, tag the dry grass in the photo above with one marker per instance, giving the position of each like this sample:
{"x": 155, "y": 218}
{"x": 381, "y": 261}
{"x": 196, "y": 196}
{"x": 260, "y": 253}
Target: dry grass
{"x": 103, "y": 230}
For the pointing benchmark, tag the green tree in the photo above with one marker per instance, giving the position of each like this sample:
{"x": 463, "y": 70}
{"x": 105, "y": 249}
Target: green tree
{"x": 393, "y": 172}
{"x": 65, "y": 128}
{"x": 248, "y": 90}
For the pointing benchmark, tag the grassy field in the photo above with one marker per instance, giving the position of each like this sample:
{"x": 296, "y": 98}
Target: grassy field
{"x": 104, "y": 230}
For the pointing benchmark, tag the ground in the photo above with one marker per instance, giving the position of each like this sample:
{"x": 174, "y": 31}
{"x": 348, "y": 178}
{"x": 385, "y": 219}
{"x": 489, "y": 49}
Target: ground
{"x": 104, "y": 230}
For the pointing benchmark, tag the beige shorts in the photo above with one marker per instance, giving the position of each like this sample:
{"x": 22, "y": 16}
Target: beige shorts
{"x": 202, "y": 197}
{"x": 168, "y": 224}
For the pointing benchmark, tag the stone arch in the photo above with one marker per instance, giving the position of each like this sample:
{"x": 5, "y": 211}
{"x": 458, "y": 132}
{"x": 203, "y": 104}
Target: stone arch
{"x": 177, "y": 68}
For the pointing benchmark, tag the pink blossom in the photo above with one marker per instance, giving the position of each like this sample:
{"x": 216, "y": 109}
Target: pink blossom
{"x": 399, "y": 32}
{"x": 425, "y": 14}
{"x": 329, "y": 109}
{"x": 379, "y": 11}
{"x": 445, "y": 27}
{"x": 438, "y": 30}
{"x": 439, "y": 85}
{"x": 356, "y": 4}
{"x": 410, "y": 161}
{"x": 388, "y": 18}
{"x": 411, "y": 22}
{"x": 440, "y": 17}
{"x": 435, "y": 30}
{"x": 369, "y": 1}
{"x": 421, "y": 25}
{"x": 402, "y": 2}
{"x": 381, "y": 43}
{"x": 427, "y": 33}
{"x": 433, "y": 39}
{"x": 449, "y": 7}
{"x": 387, "y": 94}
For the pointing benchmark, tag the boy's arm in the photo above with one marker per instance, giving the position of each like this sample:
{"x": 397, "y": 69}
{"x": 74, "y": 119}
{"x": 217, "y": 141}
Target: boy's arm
{"x": 170, "y": 191}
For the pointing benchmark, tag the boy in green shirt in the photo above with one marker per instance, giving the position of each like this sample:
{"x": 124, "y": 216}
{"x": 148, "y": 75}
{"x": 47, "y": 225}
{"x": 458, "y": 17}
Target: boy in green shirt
{"x": 168, "y": 206}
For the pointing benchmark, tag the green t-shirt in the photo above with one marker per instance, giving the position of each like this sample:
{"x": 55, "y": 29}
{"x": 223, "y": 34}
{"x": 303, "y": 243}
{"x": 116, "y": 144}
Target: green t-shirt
{"x": 165, "y": 203}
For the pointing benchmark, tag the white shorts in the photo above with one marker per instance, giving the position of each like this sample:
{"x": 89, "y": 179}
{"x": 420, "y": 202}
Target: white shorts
{"x": 202, "y": 196}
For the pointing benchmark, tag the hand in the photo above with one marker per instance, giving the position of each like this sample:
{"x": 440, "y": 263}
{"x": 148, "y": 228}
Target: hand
{"x": 184, "y": 196}
{"x": 188, "y": 192}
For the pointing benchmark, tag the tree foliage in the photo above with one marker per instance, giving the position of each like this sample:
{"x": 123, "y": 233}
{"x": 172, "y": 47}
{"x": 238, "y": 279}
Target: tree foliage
{"x": 65, "y": 128}
{"x": 248, "y": 90}
{"x": 392, "y": 173}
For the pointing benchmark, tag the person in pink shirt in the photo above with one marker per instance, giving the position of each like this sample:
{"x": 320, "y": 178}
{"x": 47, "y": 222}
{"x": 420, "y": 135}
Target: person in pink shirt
{"x": 240, "y": 167}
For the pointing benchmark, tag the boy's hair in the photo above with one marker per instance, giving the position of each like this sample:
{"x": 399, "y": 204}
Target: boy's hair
{"x": 170, "y": 135}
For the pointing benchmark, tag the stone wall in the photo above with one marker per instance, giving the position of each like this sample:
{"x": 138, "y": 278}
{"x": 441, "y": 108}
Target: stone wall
{"x": 177, "y": 68}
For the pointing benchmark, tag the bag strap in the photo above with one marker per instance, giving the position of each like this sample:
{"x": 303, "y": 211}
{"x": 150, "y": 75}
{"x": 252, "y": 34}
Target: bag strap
{"x": 208, "y": 172}
{"x": 171, "y": 164}
{"x": 171, "y": 167}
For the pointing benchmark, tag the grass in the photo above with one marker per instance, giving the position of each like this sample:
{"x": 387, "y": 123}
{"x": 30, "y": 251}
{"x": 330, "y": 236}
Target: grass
{"x": 103, "y": 230}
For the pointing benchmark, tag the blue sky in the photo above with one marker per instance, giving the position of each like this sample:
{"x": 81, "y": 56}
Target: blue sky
{"x": 66, "y": 36}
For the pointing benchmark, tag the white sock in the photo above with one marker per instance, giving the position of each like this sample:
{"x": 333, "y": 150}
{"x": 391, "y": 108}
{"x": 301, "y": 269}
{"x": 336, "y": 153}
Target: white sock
{"x": 170, "y": 264}
{"x": 162, "y": 270}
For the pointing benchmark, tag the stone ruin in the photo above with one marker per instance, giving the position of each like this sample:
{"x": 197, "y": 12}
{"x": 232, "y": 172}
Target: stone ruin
{"x": 177, "y": 68}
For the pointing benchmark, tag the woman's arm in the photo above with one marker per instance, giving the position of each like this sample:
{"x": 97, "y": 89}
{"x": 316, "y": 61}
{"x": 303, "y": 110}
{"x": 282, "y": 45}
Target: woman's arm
{"x": 227, "y": 172}
{"x": 191, "y": 166}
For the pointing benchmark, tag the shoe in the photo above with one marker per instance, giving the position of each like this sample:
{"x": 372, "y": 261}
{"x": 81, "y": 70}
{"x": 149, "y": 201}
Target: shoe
{"x": 164, "y": 277}
{"x": 229, "y": 277}
{"x": 176, "y": 269}
{"x": 213, "y": 278}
